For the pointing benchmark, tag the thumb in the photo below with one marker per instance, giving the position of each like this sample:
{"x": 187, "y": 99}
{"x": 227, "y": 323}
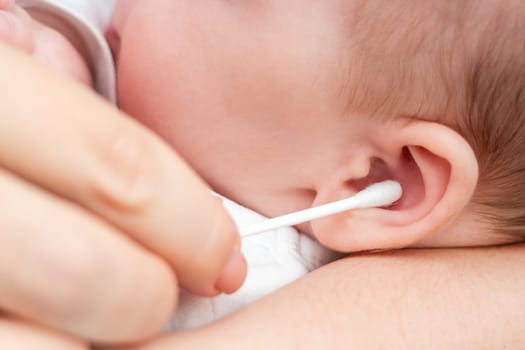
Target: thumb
{"x": 110, "y": 165}
{"x": 16, "y": 27}
{"x": 6, "y": 4}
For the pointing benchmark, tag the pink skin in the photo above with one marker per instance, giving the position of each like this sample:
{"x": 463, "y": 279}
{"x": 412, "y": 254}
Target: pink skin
{"x": 253, "y": 95}
{"x": 237, "y": 77}
{"x": 46, "y": 44}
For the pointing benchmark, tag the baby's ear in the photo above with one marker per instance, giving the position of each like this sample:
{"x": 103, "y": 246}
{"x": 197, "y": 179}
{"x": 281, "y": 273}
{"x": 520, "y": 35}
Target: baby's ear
{"x": 436, "y": 168}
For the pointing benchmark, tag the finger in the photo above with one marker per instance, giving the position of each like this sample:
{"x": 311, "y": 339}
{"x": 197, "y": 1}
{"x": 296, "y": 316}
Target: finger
{"x": 16, "y": 27}
{"x": 97, "y": 157}
{"x": 6, "y": 4}
{"x": 61, "y": 267}
{"x": 22, "y": 335}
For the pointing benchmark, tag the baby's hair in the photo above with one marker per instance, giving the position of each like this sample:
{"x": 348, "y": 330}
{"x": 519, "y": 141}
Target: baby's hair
{"x": 460, "y": 63}
{"x": 494, "y": 118}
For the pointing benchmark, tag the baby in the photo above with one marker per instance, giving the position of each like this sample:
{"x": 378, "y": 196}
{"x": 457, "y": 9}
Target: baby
{"x": 281, "y": 105}
{"x": 285, "y": 105}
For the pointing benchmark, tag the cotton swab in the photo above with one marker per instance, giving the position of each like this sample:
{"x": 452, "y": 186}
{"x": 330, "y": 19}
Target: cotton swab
{"x": 377, "y": 195}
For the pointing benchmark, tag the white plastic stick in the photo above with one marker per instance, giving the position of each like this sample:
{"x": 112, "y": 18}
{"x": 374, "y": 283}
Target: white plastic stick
{"x": 378, "y": 195}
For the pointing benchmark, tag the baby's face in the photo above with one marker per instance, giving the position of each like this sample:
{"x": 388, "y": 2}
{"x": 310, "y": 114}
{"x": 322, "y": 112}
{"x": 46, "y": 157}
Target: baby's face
{"x": 271, "y": 101}
{"x": 249, "y": 92}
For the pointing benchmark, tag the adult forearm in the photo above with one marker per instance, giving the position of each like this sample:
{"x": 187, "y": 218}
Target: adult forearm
{"x": 441, "y": 299}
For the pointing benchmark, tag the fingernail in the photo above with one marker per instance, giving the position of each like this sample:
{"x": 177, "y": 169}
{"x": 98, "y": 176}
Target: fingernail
{"x": 233, "y": 274}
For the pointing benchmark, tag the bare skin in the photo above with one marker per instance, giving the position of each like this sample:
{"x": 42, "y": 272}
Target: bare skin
{"x": 106, "y": 226}
{"x": 461, "y": 268}
{"x": 260, "y": 101}
{"x": 51, "y": 46}
{"x": 415, "y": 299}
{"x": 262, "y": 85}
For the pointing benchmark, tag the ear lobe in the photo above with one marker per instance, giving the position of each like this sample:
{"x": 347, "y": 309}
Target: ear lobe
{"x": 437, "y": 170}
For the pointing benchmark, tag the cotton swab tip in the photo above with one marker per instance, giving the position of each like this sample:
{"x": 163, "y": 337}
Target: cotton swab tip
{"x": 379, "y": 195}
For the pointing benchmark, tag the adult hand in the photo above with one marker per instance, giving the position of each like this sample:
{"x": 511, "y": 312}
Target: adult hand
{"x": 99, "y": 219}
{"x": 16, "y": 27}
{"x": 43, "y": 42}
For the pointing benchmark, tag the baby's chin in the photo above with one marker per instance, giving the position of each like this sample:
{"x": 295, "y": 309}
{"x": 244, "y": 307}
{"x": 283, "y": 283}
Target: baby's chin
{"x": 54, "y": 50}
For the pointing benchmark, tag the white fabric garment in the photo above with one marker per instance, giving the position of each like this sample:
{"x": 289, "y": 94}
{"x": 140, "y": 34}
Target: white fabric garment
{"x": 274, "y": 258}
{"x": 96, "y": 12}
{"x": 90, "y": 19}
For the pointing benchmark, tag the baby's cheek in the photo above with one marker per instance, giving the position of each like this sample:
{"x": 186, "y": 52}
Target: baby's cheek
{"x": 121, "y": 12}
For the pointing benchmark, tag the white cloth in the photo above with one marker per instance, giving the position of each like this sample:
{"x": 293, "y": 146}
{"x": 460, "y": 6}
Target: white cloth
{"x": 96, "y": 12}
{"x": 275, "y": 258}
{"x": 90, "y": 19}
